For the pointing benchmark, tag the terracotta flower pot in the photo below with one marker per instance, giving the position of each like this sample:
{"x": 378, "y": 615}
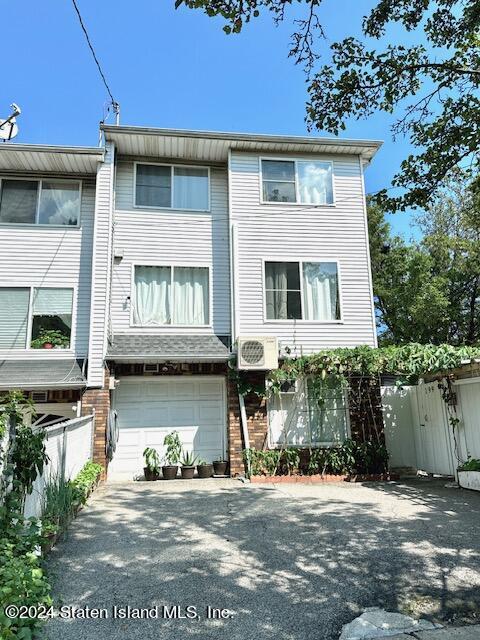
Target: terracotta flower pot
{"x": 220, "y": 467}
{"x": 170, "y": 472}
{"x": 187, "y": 472}
{"x": 205, "y": 470}
{"x": 48, "y": 345}
{"x": 150, "y": 475}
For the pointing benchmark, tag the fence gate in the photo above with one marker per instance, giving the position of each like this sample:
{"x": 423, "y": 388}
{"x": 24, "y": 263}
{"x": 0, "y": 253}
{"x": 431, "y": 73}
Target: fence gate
{"x": 433, "y": 438}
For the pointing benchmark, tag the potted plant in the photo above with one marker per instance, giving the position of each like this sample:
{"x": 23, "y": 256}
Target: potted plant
{"x": 172, "y": 455}
{"x": 220, "y": 467}
{"x": 188, "y": 465}
{"x": 204, "y": 469}
{"x": 469, "y": 474}
{"x": 152, "y": 464}
{"x": 50, "y": 339}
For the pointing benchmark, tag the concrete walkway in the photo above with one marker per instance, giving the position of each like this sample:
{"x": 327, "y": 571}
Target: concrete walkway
{"x": 472, "y": 632}
{"x": 290, "y": 562}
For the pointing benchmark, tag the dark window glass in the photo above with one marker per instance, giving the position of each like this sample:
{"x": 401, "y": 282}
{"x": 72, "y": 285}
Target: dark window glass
{"x": 18, "y": 203}
{"x": 153, "y": 186}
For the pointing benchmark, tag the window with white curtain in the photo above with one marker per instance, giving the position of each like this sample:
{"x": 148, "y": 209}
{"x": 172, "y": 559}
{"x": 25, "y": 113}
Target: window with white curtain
{"x": 315, "y": 414}
{"x": 166, "y": 295}
{"x": 42, "y": 202}
{"x": 297, "y": 181}
{"x": 302, "y": 291}
{"x": 46, "y": 311}
{"x": 172, "y": 186}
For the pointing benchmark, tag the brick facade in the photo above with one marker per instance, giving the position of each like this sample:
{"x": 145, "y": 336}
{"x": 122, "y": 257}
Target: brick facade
{"x": 98, "y": 401}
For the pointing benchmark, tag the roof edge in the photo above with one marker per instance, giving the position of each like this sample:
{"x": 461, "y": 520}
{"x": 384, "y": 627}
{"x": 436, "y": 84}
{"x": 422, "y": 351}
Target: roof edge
{"x": 46, "y": 148}
{"x": 240, "y": 137}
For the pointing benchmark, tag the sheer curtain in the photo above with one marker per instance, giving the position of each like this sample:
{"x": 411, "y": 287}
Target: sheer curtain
{"x": 276, "y": 283}
{"x": 152, "y": 296}
{"x": 190, "y": 295}
{"x": 190, "y": 188}
{"x": 315, "y": 182}
{"x": 320, "y": 291}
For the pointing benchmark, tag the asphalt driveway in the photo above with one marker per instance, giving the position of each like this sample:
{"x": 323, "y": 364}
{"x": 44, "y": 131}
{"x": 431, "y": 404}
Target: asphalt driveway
{"x": 287, "y": 562}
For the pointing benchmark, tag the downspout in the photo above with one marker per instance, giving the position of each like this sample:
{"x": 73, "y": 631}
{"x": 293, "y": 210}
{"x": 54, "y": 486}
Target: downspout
{"x": 243, "y": 420}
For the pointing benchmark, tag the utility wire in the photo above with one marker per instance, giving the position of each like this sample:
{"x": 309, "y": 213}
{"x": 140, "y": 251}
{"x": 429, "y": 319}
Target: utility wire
{"x": 84, "y": 29}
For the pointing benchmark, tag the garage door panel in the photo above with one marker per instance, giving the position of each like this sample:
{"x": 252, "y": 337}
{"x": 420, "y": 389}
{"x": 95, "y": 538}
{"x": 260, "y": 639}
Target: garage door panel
{"x": 150, "y": 409}
{"x": 210, "y": 389}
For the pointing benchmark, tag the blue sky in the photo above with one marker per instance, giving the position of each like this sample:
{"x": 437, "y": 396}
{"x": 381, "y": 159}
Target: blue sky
{"x": 167, "y": 68}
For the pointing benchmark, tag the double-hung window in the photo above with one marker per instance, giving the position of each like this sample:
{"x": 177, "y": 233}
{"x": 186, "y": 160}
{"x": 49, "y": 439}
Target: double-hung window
{"x": 311, "y": 413}
{"x": 172, "y": 187}
{"x": 34, "y": 317}
{"x": 302, "y": 291}
{"x": 170, "y": 295}
{"x": 40, "y": 202}
{"x": 297, "y": 181}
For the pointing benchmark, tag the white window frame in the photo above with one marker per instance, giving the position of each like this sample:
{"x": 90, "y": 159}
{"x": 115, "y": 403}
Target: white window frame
{"x": 31, "y": 289}
{"x": 300, "y": 262}
{"x": 36, "y": 224}
{"x": 171, "y": 266}
{"x": 297, "y": 202}
{"x": 172, "y": 187}
{"x": 310, "y": 444}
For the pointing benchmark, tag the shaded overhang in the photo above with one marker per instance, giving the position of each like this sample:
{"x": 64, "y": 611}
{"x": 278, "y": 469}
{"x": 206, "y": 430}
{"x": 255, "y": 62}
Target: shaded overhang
{"x": 214, "y": 146}
{"x": 39, "y": 158}
{"x": 42, "y": 374}
{"x": 167, "y": 348}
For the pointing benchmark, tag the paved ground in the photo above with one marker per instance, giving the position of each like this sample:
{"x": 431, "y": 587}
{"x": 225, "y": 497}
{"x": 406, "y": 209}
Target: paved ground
{"x": 293, "y": 562}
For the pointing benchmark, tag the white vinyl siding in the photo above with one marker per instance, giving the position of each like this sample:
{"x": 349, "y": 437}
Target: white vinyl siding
{"x": 101, "y": 269}
{"x": 52, "y": 257}
{"x": 170, "y": 237}
{"x": 277, "y": 231}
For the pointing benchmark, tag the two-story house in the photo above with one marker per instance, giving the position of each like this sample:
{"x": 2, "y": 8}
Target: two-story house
{"x": 197, "y": 240}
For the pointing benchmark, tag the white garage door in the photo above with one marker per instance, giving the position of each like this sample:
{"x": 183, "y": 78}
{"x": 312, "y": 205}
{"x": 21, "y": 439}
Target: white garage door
{"x": 150, "y": 408}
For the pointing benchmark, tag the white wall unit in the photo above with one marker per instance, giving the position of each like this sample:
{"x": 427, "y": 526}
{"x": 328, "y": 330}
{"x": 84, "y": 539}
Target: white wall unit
{"x": 164, "y": 237}
{"x": 297, "y": 231}
{"x": 59, "y": 257}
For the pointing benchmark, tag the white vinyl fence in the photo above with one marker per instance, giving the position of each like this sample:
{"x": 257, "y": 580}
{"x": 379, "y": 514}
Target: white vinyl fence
{"x": 69, "y": 446}
{"x": 417, "y": 429}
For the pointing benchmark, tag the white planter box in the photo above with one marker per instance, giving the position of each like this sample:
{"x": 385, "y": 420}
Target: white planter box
{"x": 469, "y": 480}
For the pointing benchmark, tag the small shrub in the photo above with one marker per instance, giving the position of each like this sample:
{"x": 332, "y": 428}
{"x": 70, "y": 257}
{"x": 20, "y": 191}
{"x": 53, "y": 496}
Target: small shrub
{"x": 58, "y": 502}
{"x": 262, "y": 463}
{"x": 86, "y": 480}
{"x": 291, "y": 460}
{"x": 174, "y": 448}
{"x": 472, "y": 464}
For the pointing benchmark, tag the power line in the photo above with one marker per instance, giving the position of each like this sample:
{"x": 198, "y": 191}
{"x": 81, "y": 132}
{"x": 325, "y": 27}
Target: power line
{"x": 84, "y": 29}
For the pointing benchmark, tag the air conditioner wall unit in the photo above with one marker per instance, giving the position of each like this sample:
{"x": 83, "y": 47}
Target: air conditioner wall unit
{"x": 258, "y": 353}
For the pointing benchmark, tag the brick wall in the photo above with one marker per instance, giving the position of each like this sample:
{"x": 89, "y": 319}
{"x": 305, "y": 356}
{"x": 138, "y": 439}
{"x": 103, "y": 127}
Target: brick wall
{"x": 98, "y": 401}
{"x": 256, "y": 410}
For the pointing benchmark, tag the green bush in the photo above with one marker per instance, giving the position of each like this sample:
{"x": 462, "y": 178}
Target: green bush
{"x": 349, "y": 458}
{"x": 86, "y": 480}
{"x": 472, "y": 464}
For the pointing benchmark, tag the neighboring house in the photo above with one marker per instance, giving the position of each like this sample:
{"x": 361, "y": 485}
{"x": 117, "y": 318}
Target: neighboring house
{"x": 199, "y": 239}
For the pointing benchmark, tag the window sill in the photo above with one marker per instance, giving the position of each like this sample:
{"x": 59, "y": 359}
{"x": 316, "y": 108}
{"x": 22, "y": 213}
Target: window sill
{"x": 305, "y": 322}
{"x": 31, "y": 225}
{"x": 299, "y": 204}
{"x": 139, "y": 207}
{"x": 163, "y": 327}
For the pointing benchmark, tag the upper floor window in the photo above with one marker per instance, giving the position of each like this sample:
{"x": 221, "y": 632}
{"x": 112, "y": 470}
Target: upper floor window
{"x": 38, "y": 317}
{"x": 171, "y": 296}
{"x": 297, "y": 181}
{"x": 42, "y": 202}
{"x": 302, "y": 291}
{"x": 172, "y": 187}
